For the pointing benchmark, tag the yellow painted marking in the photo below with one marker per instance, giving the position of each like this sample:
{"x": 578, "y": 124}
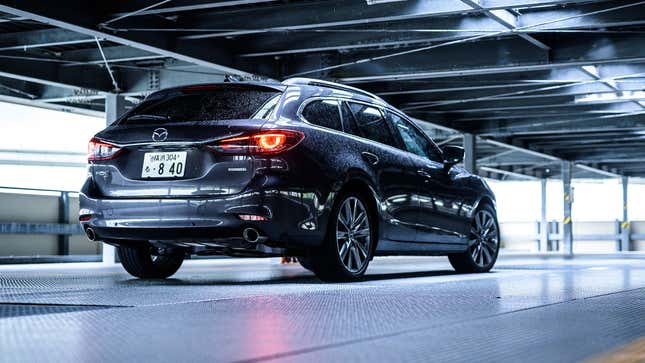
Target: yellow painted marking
{"x": 567, "y": 197}
{"x": 631, "y": 353}
{"x": 625, "y": 225}
{"x": 566, "y": 220}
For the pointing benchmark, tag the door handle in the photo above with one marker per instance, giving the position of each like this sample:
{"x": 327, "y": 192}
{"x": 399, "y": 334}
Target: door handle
{"x": 370, "y": 158}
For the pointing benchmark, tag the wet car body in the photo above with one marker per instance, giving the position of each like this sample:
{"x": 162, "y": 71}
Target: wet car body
{"x": 423, "y": 206}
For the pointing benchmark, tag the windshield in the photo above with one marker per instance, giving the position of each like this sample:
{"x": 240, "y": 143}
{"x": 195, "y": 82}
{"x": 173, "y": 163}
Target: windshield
{"x": 212, "y": 105}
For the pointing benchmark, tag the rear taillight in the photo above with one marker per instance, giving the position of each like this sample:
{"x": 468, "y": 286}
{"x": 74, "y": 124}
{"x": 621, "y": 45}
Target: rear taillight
{"x": 100, "y": 150}
{"x": 261, "y": 143}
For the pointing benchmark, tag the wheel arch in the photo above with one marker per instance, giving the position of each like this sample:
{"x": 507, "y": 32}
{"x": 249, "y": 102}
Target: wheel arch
{"x": 484, "y": 200}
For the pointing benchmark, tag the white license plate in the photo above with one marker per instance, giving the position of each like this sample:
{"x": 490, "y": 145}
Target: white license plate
{"x": 164, "y": 165}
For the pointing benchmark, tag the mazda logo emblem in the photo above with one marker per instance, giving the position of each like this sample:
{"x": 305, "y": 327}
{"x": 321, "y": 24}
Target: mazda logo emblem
{"x": 159, "y": 134}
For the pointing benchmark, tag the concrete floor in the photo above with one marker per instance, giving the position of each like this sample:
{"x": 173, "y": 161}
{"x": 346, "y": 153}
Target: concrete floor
{"x": 406, "y": 309}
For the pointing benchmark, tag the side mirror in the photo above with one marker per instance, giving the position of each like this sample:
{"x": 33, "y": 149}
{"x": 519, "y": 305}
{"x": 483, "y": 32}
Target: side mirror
{"x": 452, "y": 155}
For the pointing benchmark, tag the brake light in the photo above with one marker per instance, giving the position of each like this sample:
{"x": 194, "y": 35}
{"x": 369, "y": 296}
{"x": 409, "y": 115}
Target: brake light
{"x": 265, "y": 142}
{"x": 100, "y": 150}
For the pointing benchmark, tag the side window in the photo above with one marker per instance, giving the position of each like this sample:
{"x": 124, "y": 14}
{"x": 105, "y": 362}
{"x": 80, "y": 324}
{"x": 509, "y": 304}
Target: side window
{"x": 348, "y": 120}
{"x": 371, "y": 124}
{"x": 324, "y": 113}
{"x": 413, "y": 140}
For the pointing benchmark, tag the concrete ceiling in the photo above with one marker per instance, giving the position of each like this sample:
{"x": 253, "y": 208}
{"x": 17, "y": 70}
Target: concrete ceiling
{"x": 539, "y": 81}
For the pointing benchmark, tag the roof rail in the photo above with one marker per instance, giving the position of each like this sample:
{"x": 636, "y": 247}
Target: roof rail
{"x": 338, "y": 86}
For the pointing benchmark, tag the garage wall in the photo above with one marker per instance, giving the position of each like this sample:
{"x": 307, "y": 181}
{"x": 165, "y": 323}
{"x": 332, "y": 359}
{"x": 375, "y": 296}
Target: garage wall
{"x": 38, "y": 208}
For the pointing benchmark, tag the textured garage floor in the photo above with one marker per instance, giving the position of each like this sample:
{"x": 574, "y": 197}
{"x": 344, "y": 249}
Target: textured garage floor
{"x": 406, "y": 309}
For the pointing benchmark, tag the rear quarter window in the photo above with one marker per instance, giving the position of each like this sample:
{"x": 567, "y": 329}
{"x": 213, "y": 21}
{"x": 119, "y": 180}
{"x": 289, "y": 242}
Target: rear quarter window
{"x": 324, "y": 113}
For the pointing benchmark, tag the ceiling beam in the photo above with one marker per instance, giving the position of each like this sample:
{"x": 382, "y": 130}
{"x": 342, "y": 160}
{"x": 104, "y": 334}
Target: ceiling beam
{"x": 440, "y": 63}
{"x": 547, "y": 157}
{"x": 61, "y": 17}
{"x": 419, "y": 32}
{"x": 41, "y": 38}
{"x": 191, "y": 5}
{"x": 113, "y": 54}
{"x": 51, "y": 106}
{"x": 316, "y": 15}
{"x": 365, "y": 36}
{"x": 507, "y": 19}
{"x": 52, "y": 74}
{"x": 565, "y": 104}
{"x": 628, "y": 121}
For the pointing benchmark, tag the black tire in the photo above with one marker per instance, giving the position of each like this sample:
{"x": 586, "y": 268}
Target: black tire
{"x": 326, "y": 262}
{"x": 141, "y": 263}
{"x": 482, "y": 253}
{"x": 305, "y": 262}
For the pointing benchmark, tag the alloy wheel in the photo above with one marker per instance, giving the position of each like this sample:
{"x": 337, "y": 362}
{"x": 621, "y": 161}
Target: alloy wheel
{"x": 484, "y": 238}
{"x": 353, "y": 234}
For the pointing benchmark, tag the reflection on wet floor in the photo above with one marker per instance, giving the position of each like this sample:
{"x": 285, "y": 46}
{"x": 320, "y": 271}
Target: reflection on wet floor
{"x": 406, "y": 308}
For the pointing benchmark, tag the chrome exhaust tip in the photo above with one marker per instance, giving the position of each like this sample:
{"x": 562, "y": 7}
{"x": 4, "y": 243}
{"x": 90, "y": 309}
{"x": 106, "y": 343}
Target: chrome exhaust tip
{"x": 89, "y": 232}
{"x": 251, "y": 235}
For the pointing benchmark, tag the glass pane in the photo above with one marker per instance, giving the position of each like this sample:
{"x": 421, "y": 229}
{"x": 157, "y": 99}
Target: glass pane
{"x": 225, "y": 104}
{"x": 414, "y": 140}
{"x": 323, "y": 113}
{"x": 371, "y": 123}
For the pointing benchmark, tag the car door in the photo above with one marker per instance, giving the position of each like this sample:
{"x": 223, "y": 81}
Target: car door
{"x": 391, "y": 169}
{"x": 440, "y": 212}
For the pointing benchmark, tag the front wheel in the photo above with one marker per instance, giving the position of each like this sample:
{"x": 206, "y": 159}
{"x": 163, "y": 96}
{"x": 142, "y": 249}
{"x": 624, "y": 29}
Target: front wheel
{"x": 141, "y": 262}
{"x": 483, "y": 243}
{"x": 347, "y": 249}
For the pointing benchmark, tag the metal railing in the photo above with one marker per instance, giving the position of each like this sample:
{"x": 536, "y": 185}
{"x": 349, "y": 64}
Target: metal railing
{"x": 623, "y": 236}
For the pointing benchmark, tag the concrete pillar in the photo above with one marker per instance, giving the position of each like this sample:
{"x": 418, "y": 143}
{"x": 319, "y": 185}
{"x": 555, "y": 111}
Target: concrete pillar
{"x": 114, "y": 107}
{"x": 63, "y": 218}
{"x": 625, "y": 225}
{"x": 470, "y": 157}
{"x": 543, "y": 244}
{"x": 567, "y": 227}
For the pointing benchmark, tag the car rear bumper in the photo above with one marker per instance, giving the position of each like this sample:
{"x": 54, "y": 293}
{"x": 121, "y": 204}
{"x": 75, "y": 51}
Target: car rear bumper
{"x": 293, "y": 219}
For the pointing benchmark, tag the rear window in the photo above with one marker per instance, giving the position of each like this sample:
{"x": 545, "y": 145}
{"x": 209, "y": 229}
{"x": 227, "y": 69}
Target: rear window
{"x": 212, "y": 105}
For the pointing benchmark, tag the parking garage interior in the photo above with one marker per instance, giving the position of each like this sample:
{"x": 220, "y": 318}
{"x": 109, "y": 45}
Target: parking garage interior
{"x": 547, "y": 98}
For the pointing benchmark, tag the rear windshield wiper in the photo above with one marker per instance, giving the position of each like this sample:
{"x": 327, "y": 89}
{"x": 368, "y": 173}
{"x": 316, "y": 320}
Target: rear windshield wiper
{"x": 144, "y": 116}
